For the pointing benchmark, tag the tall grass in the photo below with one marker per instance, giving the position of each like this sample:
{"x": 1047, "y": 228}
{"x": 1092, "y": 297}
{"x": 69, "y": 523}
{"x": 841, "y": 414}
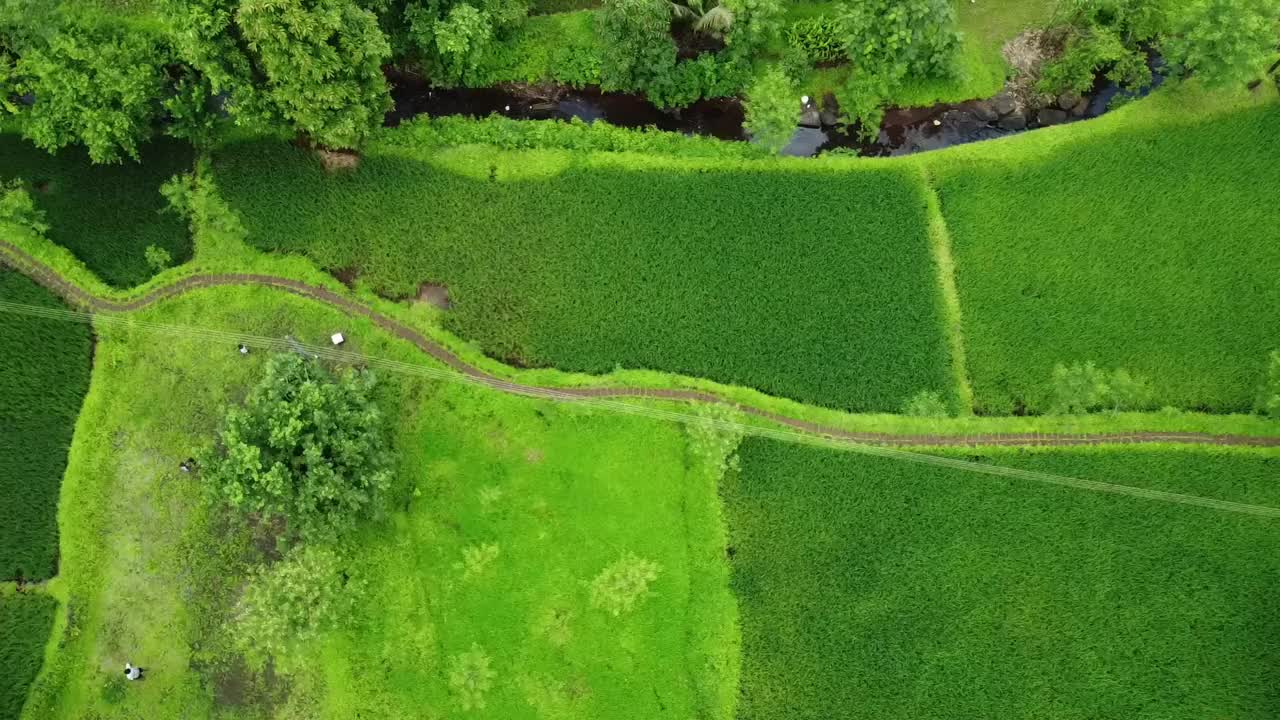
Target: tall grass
{"x": 45, "y": 374}
{"x": 869, "y": 587}
{"x": 106, "y": 214}
{"x": 806, "y": 282}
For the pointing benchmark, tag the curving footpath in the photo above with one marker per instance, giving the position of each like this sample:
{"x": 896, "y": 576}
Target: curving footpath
{"x": 43, "y": 274}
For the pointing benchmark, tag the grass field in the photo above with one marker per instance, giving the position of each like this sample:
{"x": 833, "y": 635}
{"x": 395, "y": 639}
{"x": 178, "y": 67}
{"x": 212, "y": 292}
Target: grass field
{"x": 45, "y": 375}
{"x": 106, "y": 214}
{"x": 562, "y": 493}
{"x": 804, "y": 282}
{"x": 870, "y": 587}
{"x": 25, "y": 619}
{"x": 1079, "y": 247}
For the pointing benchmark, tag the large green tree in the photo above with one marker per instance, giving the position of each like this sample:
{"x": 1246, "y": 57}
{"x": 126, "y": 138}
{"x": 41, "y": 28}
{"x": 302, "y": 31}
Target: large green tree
{"x": 1225, "y": 41}
{"x": 96, "y": 84}
{"x": 314, "y": 66}
{"x": 306, "y": 447}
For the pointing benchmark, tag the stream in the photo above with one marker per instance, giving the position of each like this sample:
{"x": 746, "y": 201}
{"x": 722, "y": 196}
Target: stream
{"x": 904, "y": 130}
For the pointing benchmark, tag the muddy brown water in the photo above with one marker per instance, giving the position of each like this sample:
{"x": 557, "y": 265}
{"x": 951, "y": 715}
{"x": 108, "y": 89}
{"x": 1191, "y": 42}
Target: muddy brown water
{"x": 904, "y": 131}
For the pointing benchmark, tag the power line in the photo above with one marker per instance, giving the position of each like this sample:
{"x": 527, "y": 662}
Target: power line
{"x": 630, "y": 408}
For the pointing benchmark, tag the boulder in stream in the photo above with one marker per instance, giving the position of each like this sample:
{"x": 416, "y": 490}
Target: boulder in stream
{"x": 1004, "y": 103}
{"x": 1014, "y": 121}
{"x": 1068, "y": 100}
{"x": 1051, "y": 116}
{"x": 983, "y": 111}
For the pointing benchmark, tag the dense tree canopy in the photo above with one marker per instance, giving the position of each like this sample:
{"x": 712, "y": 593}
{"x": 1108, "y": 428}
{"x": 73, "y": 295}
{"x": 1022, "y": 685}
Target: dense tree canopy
{"x": 306, "y": 447}
{"x": 313, "y": 65}
{"x": 1225, "y": 41}
{"x": 94, "y": 84}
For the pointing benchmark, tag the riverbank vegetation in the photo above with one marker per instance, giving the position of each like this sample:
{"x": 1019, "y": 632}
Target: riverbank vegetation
{"x": 958, "y": 594}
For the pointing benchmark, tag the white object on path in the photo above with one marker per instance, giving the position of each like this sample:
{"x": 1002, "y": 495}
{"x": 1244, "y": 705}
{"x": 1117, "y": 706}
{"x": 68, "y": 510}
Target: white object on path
{"x": 337, "y": 339}
{"x": 131, "y": 672}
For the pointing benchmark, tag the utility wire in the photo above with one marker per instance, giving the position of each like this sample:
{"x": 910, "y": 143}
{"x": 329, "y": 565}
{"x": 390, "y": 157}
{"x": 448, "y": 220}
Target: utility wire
{"x": 630, "y": 408}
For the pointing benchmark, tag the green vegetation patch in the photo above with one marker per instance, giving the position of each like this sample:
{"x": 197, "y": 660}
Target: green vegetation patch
{"x": 512, "y": 532}
{"x": 802, "y": 281}
{"x": 45, "y": 376}
{"x": 1151, "y": 248}
{"x": 25, "y": 620}
{"x": 873, "y": 587}
{"x": 106, "y": 214}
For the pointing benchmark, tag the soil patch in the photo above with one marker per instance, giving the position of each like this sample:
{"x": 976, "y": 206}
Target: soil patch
{"x": 435, "y": 295}
{"x": 338, "y": 160}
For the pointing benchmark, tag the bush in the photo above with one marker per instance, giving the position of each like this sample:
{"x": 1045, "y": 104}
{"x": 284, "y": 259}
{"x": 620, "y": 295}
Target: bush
{"x": 888, "y": 41}
{"x": 305, "y": 447}
{"x": 157, "y": 258}
{"x": 820, "y": 38}
{"x": 1103, "y": 34}
{"x": 772, "y": 110}
{"x": 291, "y": 602}
{"x": 1077, "y": 388}
{"x": 510, "y": 134}
{"x": 926, "y": 403}
{"x": 618, "y": 588}
{"x": 714, "y": 440}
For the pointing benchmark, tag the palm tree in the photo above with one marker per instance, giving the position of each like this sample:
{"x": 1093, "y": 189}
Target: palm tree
{"x": 708, "y": 17}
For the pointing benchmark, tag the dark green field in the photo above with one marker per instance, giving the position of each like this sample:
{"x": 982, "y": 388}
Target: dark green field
{"x": 1154, "y": 249}
{"x": 876, "y": 588}
{"x": 106, "y": 214}
{"x": 25, "y": 620}
{"x": 807, "y": 283}
{"x": 46, "y": 374}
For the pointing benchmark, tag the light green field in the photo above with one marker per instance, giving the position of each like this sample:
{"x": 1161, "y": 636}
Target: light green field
{"x": 562, "y": 493}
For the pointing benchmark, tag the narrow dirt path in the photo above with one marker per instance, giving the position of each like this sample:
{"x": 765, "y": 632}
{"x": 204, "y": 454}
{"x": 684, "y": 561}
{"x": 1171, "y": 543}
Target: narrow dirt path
{"x": 46, "y": 276}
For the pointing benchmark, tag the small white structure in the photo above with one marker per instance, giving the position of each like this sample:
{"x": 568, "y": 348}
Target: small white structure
{"x": 337, "y": 338}
{"x": 244, "y": 349}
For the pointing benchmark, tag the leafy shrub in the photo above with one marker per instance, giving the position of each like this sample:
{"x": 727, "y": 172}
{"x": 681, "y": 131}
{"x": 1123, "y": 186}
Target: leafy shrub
{"x": 926, "y": 403}
{"x": 1269, "y": 396}
{"x": 618, "y": 588}
{"x": 292, "y": 601}
{"x": 157, "y": 258}
{"x": 17, "y": 207}
{"x": 45, "y": 375}
{"x": 888, "y": 41}
{"x": 1103, "y": 34}
{"x": 820, "y": 38}
{"x": 25, "y": 621}
{"x": 1078, "y": 388}
{"x": 305, "y": 447}
{"x": 772, "y": 110}
{"x": 563, "y": 49}
{"x": 471, "y": 677}
{"x": 1127, "y": 392}
{"x": 715, "y": 439}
